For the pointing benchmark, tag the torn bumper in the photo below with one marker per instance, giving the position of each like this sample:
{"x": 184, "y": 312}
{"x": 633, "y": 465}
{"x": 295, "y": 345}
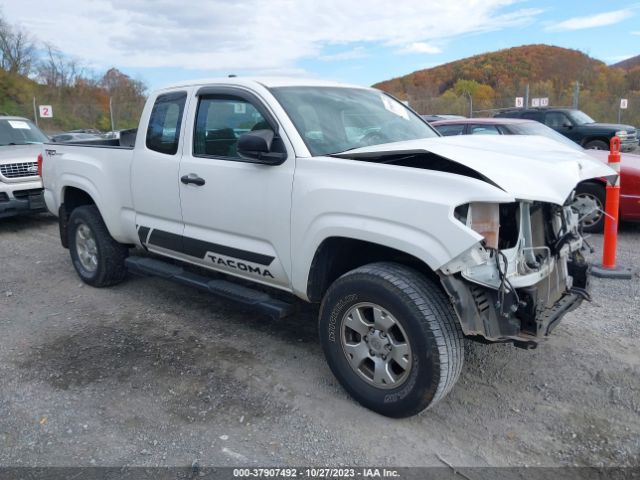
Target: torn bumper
{"x": 520, "y": 290}
{"x": 527, "y": 318}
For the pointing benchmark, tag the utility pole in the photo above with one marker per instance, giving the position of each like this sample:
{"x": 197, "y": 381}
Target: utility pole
{"x": 526, "y": 96}
{"x": 35, "y": 112}
{"x": 111, "y": 115}
{"x": 576, "y": 94}
{"x": 467, "y": 92}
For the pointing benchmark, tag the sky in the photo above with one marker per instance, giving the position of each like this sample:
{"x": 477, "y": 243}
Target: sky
{"x": 166, "y": 41}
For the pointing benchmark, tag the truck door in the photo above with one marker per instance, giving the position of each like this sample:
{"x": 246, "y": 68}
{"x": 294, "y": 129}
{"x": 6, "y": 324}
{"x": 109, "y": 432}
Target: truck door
{"x": 236, "y": 214}
{"x": 154, "y": 173}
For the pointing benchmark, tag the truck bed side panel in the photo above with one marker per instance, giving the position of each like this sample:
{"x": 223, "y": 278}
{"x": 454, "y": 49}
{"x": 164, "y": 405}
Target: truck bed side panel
{"x": 102, "y": 172}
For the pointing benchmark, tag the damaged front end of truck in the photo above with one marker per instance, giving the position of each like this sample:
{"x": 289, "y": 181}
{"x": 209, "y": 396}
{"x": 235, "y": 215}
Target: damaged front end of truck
{"x": 524, "y": 276}
{"x": 524, "y": 269}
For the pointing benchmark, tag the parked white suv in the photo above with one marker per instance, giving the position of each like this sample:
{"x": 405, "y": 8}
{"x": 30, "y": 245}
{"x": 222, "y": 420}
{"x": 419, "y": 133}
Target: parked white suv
{"x": 20, "y": 184}
{"x": 342, "y": 196}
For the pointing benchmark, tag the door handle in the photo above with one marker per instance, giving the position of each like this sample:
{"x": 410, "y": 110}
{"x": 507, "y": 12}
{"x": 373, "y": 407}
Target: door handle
{"x": 192, "y": 178}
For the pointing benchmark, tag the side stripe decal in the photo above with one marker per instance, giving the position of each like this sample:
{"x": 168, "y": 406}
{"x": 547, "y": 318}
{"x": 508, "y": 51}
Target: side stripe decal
{"x": 198, "y": 248}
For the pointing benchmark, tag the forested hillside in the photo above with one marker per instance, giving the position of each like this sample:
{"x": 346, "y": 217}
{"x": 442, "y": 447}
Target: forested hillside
{"x": 494, "y": 79}
{"x": 629, "y": 63}
{"x": 80, "y": 97}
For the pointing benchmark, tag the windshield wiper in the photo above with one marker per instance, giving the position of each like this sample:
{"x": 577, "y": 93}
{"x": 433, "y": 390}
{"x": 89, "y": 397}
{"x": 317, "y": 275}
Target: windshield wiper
{"x": 341, "y": 151}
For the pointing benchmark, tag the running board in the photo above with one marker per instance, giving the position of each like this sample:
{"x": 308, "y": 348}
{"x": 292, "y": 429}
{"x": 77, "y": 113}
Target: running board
{"x": 223, "y": 288}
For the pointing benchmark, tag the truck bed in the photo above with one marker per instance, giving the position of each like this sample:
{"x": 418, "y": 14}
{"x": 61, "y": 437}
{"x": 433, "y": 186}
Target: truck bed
{"x": 127, "y": 140}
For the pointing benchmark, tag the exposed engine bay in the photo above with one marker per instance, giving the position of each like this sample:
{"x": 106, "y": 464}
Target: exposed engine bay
{"x": 527, "y": 272}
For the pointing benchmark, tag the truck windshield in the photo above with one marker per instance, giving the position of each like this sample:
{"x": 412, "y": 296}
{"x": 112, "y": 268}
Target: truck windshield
{"x": 20, "y": 132}
{"x": 580, "y": 118}
{"x": 335, "y": 119}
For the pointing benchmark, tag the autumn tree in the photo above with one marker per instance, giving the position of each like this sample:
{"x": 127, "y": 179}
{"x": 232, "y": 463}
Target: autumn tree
{"x": 17, "y": 49}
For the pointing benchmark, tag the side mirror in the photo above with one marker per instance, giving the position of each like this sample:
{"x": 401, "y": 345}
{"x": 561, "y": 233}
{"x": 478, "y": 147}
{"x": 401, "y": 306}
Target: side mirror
{"x": 567, "y": 125}
{"x": 255, "y": 147}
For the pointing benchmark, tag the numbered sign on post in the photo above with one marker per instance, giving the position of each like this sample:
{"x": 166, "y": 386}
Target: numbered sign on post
{"x": 544, "y": 102}
{"x": 519, "y": 102}
{"x": 46, "y": 111}
{"x": 623, "y": 103}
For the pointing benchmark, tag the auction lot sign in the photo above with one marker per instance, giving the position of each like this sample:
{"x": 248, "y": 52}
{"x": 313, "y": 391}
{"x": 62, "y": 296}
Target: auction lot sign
{"x": 45, "y": 111}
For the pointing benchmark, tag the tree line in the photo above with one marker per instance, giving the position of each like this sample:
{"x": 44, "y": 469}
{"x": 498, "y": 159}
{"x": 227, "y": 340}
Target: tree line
{"x": 80, "y": 97}
{"x": 493, "y": 80}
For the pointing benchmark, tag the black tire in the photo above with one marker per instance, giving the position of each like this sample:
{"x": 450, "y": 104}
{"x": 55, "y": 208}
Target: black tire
{"x": 597, "y": 145}
{"x": 110, "y": 268}
{"x": 597, "y": 193}
{"x": 432, "y": 329}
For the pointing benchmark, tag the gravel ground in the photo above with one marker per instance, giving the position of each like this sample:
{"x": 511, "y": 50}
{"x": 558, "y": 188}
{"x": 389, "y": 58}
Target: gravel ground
{"x": 151, "y": 373}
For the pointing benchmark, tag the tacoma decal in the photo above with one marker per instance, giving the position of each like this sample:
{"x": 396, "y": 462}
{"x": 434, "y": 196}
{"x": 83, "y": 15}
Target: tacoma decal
{"x": 243, "y": 260}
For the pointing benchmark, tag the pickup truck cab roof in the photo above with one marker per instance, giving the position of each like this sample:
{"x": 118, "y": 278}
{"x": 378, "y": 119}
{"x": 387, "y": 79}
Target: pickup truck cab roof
{"x": 267, "y": 82}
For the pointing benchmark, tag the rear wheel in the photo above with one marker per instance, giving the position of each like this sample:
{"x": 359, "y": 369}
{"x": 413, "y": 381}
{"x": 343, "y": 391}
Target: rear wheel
{"x": 597, "y": 145}
{"x": 391, "y": 338}
{"x": 96, "y": 256}
{"x": 594, "y": 222}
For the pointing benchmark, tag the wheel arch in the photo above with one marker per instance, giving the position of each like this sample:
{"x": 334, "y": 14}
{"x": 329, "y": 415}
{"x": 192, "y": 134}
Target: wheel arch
{"x": 338, "y": 255}
{"x": 71, "y": 198}
{"x": 592, "y": 138}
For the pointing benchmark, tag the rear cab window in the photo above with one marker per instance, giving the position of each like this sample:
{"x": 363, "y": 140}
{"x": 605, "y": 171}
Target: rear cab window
{"x": 165, "y": 122}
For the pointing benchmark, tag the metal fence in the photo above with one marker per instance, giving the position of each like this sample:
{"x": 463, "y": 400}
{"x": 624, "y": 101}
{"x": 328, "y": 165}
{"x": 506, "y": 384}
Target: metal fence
{"x": 105, "y": 115}
{"x": 601, "y": 108}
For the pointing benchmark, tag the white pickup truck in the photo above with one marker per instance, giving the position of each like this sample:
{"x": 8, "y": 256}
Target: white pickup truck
{"x": 343, "y": 196}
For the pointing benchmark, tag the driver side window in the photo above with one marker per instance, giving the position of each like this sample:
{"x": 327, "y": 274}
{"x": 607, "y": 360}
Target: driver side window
{"x": 220, "y": 121}
{"x": 556, "y": 120}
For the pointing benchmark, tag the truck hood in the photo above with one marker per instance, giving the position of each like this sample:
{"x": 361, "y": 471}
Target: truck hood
{"x": 527, "y": 167}
{"x": 610, "y": 126}
{"x": 20, "y": 153}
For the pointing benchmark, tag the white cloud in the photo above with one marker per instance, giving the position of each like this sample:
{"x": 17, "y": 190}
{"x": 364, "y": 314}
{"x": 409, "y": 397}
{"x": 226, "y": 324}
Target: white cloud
{"x": 354, "y": 53}
{"x": 422, "y": 47}
{"x": 252, "y": 35}
{"x": 636, "y": 33}
{"x": 592, "y": 21}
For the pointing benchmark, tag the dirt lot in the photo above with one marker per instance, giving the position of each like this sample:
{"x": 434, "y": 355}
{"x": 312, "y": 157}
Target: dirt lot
{"x": 150, "y": 373}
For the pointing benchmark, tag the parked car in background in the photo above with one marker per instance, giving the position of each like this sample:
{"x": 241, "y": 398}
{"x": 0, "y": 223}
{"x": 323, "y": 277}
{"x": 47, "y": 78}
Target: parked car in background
{"x": 93, "y": 131}
{"x": 590, "y": 190}
{"x": 20, "y": 185}
{"x": 579, "y": 127}
{"x": 436, "y": 117}
{"x": 75, "y": 137}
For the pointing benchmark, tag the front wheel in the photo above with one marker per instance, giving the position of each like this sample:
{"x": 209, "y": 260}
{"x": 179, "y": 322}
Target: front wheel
{"x": 594, "y": 222}
{"x": 96, "y": 256}
{"x": 597, "y": 145}
{"x": 391, "y": 338}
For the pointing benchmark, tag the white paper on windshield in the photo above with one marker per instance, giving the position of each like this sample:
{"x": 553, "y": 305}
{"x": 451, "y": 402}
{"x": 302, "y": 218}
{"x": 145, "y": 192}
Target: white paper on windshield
{"x": 394, "y": 107}
{"x": 19, "y": 124}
